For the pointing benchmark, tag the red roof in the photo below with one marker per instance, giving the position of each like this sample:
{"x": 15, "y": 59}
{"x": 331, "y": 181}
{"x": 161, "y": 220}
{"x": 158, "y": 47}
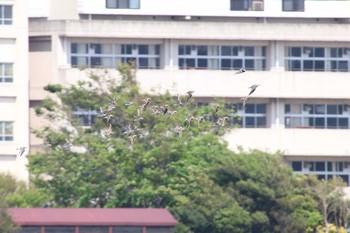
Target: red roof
{"x": 92, "y": 216}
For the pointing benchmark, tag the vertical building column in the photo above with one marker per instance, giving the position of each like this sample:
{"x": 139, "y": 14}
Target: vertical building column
{"x": 170, "y": 54}
{"x": 277, "y": 113}
{"x": 277, "y": 55}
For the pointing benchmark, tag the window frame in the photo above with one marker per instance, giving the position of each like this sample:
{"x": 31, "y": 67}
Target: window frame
{"x": 84, "y": 55}
{"x": 3, "y": 134}
{"x": 234, "y": 56}
{"x": 334, "y": 59}
{"x": 5, "y": 20}
{"x": 117, "y": 4}
{"x": 309, "y": 116}
{"x": 5, "y": 77}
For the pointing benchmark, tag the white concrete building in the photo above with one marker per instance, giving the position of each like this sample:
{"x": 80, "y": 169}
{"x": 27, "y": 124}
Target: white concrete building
{"x": 299, "y": 51}
{"x": 14, "y": 87}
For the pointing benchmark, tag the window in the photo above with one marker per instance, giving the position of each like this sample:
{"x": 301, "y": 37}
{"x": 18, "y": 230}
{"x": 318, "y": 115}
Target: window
{"x": 318, "y": 59}
{"x": 86, "y": 117}
{"x": 93, "y": 229}
{"x": 253, "y": 116}
{"x": 293, "y": 5}
{"x": 330, "y": 116}
{"x": 30, "y": 230}
{"x": 247, "y": 5}
{"x": 159, "y": 229}
{"x": 322, "y": 169}
{"x": 6, "y": 72}
{"x": 6, "y": 131}
{"x": 125, "y": 229}
{"x": 123, "y": 4}
{"x": 109, "y": 55}
{"x": 217, "y": 57}
{"x": 59, "y": 229}
{"x": 5, "y": 15}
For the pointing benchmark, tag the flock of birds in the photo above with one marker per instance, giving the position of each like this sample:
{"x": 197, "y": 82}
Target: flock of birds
{"x": 157, "y": 110}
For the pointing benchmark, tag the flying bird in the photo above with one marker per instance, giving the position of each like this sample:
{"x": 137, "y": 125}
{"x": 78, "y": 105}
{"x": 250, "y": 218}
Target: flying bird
{"x": 165, "y": 108}
{"x": 244, "y": 100}
{"x": 145, "y": 104}
{"x": 178, "y": 99}
{"x": 180, "y": 130}
{"x": 21, "y": 150}
{"x": 200, "y": 120}
{"x": 240, "y": 71}
{"x": 171, "y": 113}
{"x": 109, "y": 131}
{"x": 253, "y": 88}
{"x": 139, "y": 117}
{"x": 189, "y": 95}
{"x": 128, "y": 103}
{"x": 132, "y": 139}
{"x": 216, "y": 108}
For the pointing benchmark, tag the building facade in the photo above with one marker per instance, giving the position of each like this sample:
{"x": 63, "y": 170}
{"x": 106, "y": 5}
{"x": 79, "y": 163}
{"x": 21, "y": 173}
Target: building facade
{"x": 298, "y": 51}
{"x": 14, "y": 87}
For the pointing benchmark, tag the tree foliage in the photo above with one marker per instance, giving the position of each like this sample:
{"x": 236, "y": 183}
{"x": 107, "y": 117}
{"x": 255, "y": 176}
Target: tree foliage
{"x": 207, "y": 187}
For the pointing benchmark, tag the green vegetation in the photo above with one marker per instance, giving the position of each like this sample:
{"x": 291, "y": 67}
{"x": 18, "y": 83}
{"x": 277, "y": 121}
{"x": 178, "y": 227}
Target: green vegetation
{"x": 207, "y": 187}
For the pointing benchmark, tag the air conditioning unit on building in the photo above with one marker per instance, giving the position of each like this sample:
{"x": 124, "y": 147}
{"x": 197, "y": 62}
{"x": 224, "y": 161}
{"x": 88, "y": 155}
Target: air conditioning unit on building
{"x": 258, "y": 6}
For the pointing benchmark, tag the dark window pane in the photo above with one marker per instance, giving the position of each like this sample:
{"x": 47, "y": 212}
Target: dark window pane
{"x": 249, "y": 64}
{"x": 159, "y": 230}
{"x": 127, "y": 229}
{"x": 329, "y": 166}
{"x": 343, "y": 66}
{"x": 93, "y": 229}
{"x": 59, "y": 229}
{"x": 250, "y": 108}
{"x": 287, "y": 108}
{"x": 343, "y": 123}
{"x": 308, "y": 65}
{"x": 202, "y": 63}
{"x": 297, "y": 166}
{"x": 237, "y": 64}
{"x": 321, "y": 177}
{"x": 249, "y": 51}
{"x": 319, "y": 65}
{"x": 181, "y": 50}
{"x": 295, "y": 65}
{"x": 250, "y": 122}
{"x": 345, "y": 178}
{"x": 318, "y": 52}
{"x": 332, "y": 122}
{"x": 239, "y": 5}
{"x": 111, "y": 3}
{"x": 320, "y": 166}
{"x": 190, "y": 63}
{"x": 30, "y": 230}
{"x": 319, "y": 122}
{"x": 8, "y": 12}
{"x": 261, "y": 108}
{"x": 332, "y": 108}
{"x": 261, "y": 122}
{"x": 295, "y": 52}
{"x": 226, "y": 64}
{"x": 143, "y": 63}
{"x": 95, "y": 61}
{"x": 143, "y": 49}
{"x": 202, "y": 50}
{"x": 226, "y": 50}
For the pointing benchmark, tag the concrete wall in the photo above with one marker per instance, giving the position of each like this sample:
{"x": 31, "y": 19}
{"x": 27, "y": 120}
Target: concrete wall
{"x": 272, "y": 8}
{"x": 14, "y": 97}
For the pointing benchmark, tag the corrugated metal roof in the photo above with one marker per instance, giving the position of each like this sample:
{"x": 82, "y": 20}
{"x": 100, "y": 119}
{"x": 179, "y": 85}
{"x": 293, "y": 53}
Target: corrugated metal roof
{"x": 92, "y": 216}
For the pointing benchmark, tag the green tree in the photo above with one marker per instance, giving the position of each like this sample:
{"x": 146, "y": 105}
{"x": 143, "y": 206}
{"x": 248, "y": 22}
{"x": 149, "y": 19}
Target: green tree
{"x": 266, "y": 187}
{"x": 206, "y": 186}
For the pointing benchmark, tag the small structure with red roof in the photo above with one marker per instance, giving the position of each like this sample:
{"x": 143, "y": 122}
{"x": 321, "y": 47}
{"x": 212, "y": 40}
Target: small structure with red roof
{"x": 93, "y": 220}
